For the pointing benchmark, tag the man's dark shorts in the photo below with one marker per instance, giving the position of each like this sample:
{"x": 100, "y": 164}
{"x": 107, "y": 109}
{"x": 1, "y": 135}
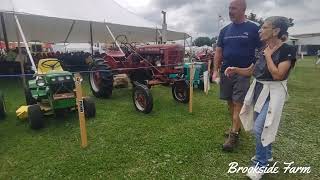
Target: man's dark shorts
{"x": 234, "y": 88}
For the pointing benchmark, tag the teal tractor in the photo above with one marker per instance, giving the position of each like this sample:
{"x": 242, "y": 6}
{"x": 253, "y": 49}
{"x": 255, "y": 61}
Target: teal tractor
{"x": 2, "y": 106}
{"x": 198, "y": 79}
{"x": 181, "y": 93}
{"x": 51, "y": 91}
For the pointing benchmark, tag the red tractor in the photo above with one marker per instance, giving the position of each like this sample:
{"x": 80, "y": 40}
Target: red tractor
{"x": 206, "y": 55}
{"x": 146, "y": 66}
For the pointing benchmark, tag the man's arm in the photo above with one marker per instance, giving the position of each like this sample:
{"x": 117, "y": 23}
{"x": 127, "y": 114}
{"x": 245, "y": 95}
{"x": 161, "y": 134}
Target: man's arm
{"x": 230, "y": 71}
{"x": 217, "y": 63}
{"x": 217, "y": 59}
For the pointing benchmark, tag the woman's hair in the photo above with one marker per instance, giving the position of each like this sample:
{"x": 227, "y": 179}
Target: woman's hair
{"x": 284, "y": 37}
{"x": 283, "y": 24}
{"x": 279, "y": 22}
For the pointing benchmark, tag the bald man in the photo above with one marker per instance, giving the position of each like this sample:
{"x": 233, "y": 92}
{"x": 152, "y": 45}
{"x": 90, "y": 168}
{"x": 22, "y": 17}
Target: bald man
{"x": 235, "y": 48}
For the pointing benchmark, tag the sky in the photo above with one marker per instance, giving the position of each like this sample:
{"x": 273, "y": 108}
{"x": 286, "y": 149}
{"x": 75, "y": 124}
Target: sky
{"x": 201, "y": 17}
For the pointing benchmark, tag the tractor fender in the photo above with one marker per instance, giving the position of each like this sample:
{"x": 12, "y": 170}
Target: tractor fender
{"x": 181, "y": 82}
{"x": 97, "y": 61}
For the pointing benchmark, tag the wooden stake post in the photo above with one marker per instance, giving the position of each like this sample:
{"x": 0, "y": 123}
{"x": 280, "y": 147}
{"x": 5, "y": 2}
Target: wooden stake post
{"x": 83, "y": 131}
{"x": 208, "y": 79}
{"x": 191, "y": 86}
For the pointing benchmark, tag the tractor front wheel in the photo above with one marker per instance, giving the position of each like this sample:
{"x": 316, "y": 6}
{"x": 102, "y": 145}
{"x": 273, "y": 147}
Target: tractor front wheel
{"x": 180, "y": 91}
{"x": 89, "y": 107}
{"x": 101, "y": 79}
{"x": 142, "y": 98}
{"x": 2, "y": 107}
{"x": 35, "y": 117}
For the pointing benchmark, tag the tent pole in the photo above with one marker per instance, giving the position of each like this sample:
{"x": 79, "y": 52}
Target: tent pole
{"x": 66, "y": 39}
{"x": 156, "y": 35}
{"x": 184, "y": 42}
{"x": 164, "y": 28}
{"x": 71, "y": 28}
{"x": 26, "y": 44}
{"x": 160, "y": 36}
{"x": 114, "y": 38}
{"x": 191, "y": 49}
{"x": 4, "y": 32}
{"x": 91, "y": 38}
{"x": 21, "y": 60}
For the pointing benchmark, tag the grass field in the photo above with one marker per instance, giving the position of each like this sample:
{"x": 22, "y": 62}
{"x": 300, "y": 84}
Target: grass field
{"x": 169, "y": 143}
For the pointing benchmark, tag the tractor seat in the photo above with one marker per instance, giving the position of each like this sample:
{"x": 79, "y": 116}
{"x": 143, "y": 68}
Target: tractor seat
{"x": 44, "y": 67}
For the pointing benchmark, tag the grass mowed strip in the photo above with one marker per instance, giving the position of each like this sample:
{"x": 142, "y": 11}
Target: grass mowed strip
{"x": 168, "y": 143}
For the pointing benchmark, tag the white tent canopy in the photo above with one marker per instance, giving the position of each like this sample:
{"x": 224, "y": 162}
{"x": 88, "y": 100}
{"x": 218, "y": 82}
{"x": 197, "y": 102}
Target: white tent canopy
{"x": 51, "y": 21}
{"x": 308, "y": 39}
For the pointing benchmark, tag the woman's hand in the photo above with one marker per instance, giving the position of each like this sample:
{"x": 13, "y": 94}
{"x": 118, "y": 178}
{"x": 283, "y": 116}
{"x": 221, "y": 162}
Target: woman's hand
{"x": 230, "y": 71}
{"x": 269, "y": 51}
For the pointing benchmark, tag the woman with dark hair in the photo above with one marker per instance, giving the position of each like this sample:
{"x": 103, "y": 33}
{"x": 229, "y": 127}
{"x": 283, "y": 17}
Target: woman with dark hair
{"x": 285, "y": 37}
{"x": 263, "y": 104}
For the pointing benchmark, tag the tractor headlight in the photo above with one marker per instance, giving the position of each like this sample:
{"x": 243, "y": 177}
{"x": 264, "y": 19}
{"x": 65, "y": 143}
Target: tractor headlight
{"x": 68, "y": 77}
{"x": 158, "y": 63}
{"x": 40, "y": 82}
{"x": 61, "y": 78}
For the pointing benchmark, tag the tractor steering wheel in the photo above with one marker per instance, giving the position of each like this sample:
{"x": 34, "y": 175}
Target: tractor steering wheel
{"x": 124, "y": 44}
{"x": 122, "y": 39}
{"x": 52, "y": 66}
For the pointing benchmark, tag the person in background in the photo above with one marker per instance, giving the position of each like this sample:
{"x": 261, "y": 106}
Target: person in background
{"x": 236, "y": 47}
{"x": 12, "y": 54}
{"x": 263, "y": 104}
{"x": 318, "y": 54}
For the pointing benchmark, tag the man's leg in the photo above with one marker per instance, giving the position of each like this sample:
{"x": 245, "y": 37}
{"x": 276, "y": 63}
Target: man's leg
{"x": 236, "y": 123}
{"x": 230, "y": 108}
{"x": 240, "y": 88}
{"x": 226, "y": 94}
{"x": 233, "y": 137}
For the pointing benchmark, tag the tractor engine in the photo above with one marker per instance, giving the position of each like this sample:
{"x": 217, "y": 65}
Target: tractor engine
{"x": 166, "y": 55}
{"x": 61, "y": 84}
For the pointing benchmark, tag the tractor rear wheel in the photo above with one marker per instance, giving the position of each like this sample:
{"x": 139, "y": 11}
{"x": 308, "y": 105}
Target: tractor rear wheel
{"x": 35, "y": 117}
{"x": 180, "y": 91}
{"x": 89, "y": 107}
{"x": 2, "y": 107}
{"x": 101, "y": 79}
{"x": 142, "y": 98}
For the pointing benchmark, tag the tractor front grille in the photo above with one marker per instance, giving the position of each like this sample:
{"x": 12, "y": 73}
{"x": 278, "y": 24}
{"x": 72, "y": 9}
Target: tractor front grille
{"x": 62, "y": 87}
{"x": 63, "y": 96}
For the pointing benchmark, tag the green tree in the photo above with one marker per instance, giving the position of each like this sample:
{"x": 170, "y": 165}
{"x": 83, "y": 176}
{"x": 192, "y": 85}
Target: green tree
{"x": 201, "y": 41}
{"x": 214, "y": 40}
{"x": 253, "y": 17}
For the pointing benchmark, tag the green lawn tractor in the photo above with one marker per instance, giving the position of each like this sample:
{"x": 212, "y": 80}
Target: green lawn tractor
{"x": 52, "y": 91}
{"x": 2, "y": 106}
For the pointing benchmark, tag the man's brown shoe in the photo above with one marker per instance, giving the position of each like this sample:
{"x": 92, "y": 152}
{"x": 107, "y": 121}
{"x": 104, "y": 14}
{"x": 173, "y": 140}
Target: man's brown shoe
{"x": 232, "y": 142}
